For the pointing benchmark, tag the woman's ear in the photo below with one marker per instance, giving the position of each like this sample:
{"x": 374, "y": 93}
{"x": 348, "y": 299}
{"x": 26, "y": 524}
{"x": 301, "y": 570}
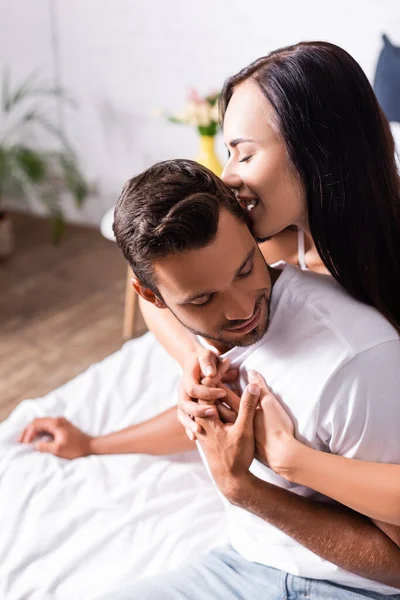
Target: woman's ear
{"x": 147, "y": 294}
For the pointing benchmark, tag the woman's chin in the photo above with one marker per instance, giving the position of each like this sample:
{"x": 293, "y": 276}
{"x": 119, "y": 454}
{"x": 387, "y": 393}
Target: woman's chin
{"x": 261, "y": 233}
{"x": 265, "y": 231}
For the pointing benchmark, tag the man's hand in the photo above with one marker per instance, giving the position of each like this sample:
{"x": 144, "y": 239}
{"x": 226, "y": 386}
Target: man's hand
{"x": 230, "y": 447}
{"x": 68, "y": 441}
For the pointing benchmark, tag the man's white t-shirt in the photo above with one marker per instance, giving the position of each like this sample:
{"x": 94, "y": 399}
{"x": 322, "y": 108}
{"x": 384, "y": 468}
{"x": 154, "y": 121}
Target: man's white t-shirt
{"x": 335, "y": 365}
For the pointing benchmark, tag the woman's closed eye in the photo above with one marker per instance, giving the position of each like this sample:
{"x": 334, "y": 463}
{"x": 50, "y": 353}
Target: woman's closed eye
{"x": 246, "y": 158}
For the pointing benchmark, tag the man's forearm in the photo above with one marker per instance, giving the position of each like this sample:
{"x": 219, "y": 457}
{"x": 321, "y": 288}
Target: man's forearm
{"x": 161, "y": 435}
{"x": 337, "y": 534}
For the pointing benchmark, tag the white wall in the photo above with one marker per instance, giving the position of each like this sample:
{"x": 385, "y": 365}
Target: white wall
{"x": 122, "y": 59}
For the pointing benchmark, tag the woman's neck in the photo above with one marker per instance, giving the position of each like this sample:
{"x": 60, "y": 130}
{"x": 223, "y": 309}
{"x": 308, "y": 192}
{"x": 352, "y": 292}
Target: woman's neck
{"x": 311, "y": 256}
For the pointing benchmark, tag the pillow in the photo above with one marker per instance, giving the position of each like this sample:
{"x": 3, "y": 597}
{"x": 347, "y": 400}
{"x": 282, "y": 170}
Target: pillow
{"x": 387, "y": 80}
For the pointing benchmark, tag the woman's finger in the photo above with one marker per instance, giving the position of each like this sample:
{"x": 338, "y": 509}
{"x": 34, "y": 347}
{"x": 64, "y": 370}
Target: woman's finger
{"x": 258, "y": 379}
{"x": 226, "y": 414}
{"x": 212, "y": 382}
{"x": 193, "y": 409}
{"x": 232, "y": 399}
{"x": 229, "y": 377}
{"x": 190, "y": 426}
{"x": 202, "y": 392}
{"x": 224, "y": 373}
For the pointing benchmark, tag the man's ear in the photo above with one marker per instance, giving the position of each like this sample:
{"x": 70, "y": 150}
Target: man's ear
{"x": 147, "y": 294}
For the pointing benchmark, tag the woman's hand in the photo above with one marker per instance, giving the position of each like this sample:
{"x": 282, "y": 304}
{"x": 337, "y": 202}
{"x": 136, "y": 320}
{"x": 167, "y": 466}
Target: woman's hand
{"x": 274, "y": 430}
{"x": 276, "y": 445}
{"x": 203, "y": 373}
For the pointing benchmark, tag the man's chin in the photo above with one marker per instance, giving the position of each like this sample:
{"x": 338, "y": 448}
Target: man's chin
{"x": 242, "y": 341}
{"x": 250, "y": 338}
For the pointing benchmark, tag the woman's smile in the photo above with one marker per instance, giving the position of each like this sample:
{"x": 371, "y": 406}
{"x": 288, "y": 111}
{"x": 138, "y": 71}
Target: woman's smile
{"x": 247, "y": 203}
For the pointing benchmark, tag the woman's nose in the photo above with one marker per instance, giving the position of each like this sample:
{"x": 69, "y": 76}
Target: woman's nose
{"x": 229, "y": 176}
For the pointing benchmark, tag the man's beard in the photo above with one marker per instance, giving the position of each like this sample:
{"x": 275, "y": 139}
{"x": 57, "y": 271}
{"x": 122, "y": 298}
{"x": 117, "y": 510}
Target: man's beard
{"x": 247, "y": 339}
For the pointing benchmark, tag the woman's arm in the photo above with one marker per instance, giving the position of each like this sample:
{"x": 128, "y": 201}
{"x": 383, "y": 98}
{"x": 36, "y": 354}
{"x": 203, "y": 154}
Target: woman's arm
{"x": 372, "y": 489}
{"x": 195, "y": 360}
{"x": 177, "y": 340}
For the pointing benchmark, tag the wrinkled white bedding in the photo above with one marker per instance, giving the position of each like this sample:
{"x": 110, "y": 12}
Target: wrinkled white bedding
{"x": 71, "y": 529}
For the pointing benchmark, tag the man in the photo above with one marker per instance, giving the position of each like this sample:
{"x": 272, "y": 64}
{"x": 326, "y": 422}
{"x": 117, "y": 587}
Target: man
{"x": 331, "y": 359}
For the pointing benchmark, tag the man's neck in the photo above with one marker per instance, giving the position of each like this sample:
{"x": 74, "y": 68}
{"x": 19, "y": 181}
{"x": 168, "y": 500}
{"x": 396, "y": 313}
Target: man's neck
{"x": 221, "y": 348}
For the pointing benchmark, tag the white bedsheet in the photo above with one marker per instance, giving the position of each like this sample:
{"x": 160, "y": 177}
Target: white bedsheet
{"x": 71, "y": 529}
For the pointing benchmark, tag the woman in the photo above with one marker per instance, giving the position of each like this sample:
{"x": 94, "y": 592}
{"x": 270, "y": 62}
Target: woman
{"x": 309, "y": 146}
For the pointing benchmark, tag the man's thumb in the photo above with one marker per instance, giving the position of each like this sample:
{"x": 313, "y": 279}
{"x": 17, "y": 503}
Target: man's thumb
{"x": 248, "y": 405}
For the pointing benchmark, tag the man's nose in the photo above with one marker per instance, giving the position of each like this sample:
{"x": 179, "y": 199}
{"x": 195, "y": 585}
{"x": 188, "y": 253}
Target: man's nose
{"x": 241, "y": 308}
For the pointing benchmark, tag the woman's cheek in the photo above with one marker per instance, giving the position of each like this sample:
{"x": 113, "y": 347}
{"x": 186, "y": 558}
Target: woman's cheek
{"x": 258, "y": 177}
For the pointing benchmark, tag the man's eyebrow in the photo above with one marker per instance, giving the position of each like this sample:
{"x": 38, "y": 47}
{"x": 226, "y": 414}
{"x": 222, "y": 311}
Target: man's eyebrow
{"x": 193, "y": 297}
{"x": 237, "y": 141}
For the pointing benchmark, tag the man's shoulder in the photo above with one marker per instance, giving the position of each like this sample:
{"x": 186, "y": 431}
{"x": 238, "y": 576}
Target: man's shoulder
{"x": 321, "y": 303}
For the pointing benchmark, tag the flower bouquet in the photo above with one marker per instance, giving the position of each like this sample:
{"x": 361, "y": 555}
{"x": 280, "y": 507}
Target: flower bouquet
{"x": 202, "y": 113}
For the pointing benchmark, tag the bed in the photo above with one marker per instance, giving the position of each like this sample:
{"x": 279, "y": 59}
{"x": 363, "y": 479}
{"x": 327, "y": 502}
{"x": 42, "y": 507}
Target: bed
{"x": 72, "y": 529}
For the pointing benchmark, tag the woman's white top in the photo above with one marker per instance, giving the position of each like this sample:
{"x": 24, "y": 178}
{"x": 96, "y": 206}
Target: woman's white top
{"x": 301, "y": 250}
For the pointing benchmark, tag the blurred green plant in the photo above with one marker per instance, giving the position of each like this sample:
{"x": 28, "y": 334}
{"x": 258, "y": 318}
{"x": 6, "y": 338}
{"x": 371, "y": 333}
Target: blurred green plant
{"x": 26, "y": 167}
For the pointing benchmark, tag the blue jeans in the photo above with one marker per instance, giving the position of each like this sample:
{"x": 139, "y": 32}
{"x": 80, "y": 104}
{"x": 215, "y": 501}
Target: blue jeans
{"x": 224, "y": 574}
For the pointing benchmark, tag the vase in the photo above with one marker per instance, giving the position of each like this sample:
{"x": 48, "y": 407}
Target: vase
{"x": 206, "y": 155}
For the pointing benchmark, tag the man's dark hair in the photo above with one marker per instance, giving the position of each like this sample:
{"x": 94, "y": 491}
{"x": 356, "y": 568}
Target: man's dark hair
{"x": 172, "y": 207}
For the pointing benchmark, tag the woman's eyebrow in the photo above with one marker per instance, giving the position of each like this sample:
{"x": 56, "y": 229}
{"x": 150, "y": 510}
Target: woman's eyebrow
{"x": 237, "y": 141}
